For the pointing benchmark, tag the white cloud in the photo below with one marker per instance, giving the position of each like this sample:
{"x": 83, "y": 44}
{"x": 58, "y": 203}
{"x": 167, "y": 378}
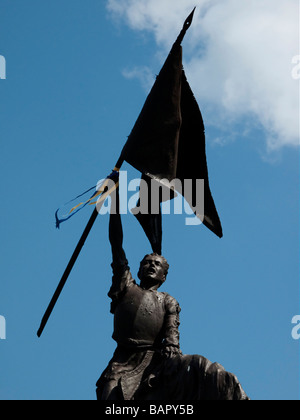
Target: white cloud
{"x": 143, "y": 74}
{"x": 238, "y": 56}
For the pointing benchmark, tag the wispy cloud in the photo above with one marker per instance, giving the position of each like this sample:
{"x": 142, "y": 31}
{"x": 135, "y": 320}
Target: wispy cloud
{"x": 143, "y": 74}
{"x": 238, "y": 56}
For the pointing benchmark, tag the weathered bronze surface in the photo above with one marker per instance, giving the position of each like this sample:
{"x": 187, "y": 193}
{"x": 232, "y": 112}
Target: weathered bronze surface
{"x": 148, "y": 363}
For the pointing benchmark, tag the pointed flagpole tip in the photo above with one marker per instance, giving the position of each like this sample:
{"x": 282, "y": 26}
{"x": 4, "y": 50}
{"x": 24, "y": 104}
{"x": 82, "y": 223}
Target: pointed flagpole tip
{"x": 186, "y": 26}
{"x": 189, "y": 20}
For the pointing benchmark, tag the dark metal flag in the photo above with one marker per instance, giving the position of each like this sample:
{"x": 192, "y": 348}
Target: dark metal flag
{"x": 168, "y": 141}
{"x": 152, "y": 146}
{"x": 192, "y": 162}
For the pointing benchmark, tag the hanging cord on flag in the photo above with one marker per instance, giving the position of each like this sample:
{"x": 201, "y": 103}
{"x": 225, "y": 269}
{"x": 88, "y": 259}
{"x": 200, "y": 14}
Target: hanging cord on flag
{"x": 101, "y": 194}
{"x": 115, "y": 177}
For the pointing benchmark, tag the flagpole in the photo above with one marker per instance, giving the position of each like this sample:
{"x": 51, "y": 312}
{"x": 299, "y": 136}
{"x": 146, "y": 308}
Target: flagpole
{"x": 71, "y": 263}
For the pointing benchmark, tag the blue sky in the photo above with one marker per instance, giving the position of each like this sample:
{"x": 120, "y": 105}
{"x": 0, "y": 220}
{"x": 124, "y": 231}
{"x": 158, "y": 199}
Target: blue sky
{"x": 77, "y": 76}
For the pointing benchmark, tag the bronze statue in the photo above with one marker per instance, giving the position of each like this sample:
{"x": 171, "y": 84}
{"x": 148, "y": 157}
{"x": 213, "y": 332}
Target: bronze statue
{"x": 167, "y": 142}
{"x": 148, "y": 363}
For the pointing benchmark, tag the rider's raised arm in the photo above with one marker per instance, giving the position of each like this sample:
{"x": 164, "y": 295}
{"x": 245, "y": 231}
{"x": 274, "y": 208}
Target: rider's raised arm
{"x": 121, "y": 273}
{"x": 120, "y": 262}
